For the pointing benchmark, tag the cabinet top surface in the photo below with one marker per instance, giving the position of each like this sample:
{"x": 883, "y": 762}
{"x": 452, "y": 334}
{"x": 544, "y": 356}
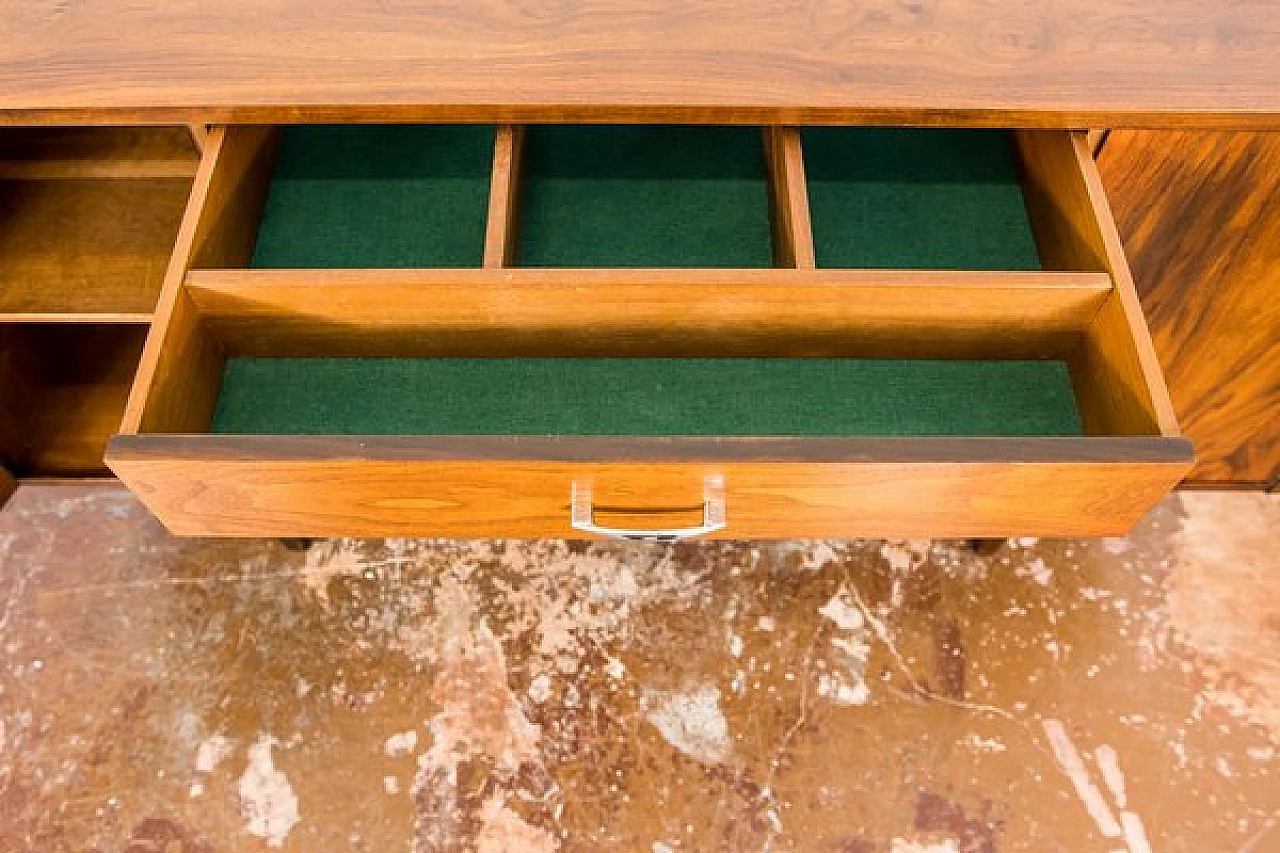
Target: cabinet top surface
{"x": 1064, "y": 63}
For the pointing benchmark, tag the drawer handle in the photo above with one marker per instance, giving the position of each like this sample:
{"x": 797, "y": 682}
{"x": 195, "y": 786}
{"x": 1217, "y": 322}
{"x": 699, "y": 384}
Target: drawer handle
{"x": 713, "y": 517}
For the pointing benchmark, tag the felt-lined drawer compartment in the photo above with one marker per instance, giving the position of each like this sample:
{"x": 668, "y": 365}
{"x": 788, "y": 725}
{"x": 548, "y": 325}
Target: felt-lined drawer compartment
{"x": 645, "y": 396}
{"x": 934, "y": 198}
{"x": 456, "y": 196}
{"x": 736, "y": 402}
{"x": 290, "y": 410}
{"x": 343, "y": 196}
{"x": 643, "y": 196}
{"x": 88, "y": 219}
{"x": 654, "y": 197}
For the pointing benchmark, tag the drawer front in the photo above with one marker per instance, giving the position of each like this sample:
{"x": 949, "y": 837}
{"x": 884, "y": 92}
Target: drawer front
{"x": 402, "y": 487}
{"x": 1062, "y": 294}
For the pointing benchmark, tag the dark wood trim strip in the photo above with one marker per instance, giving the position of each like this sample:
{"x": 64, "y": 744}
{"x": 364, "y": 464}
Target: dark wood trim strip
{"x": 1199, "y": 116}
{"x": 1226, "y": 486}
{"x": 1122, "y": 449}
{"x": 248, "y": 281}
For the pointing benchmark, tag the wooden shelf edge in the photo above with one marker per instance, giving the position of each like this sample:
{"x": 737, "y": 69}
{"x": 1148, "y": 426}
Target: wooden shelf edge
{"x": 974, "y": 450}
{"x": 118, "y": 319}
{"x": 232, "y": 279}
{"x": 105, "y": 169}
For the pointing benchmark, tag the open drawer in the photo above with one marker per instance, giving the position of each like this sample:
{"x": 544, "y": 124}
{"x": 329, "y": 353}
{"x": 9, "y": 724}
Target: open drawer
{"x": 531, "y": 345}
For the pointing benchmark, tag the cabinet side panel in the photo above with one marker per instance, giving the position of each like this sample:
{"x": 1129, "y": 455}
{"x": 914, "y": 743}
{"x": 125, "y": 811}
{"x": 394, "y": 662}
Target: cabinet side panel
{"x": 1200, "y": 217}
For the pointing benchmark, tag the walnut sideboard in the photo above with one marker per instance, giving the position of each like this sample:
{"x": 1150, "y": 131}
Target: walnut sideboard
{"x": 645, "y": 270}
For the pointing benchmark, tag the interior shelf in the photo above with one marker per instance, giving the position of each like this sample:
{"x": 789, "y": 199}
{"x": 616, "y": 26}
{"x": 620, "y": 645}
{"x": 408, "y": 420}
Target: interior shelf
{"x": 88, "y": 220}
{"x": 52, "y": 153}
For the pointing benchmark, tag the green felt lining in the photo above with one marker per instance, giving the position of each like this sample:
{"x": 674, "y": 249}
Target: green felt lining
{"x": 608, "y": 396}
{"x": 352, "y": 196}
{"x": 912, "y": 198}
{"x": 644, "y": 196}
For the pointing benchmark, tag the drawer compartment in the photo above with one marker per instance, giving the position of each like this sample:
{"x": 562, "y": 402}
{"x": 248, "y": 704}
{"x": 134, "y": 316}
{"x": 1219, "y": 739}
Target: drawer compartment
{"x": 644, "y": 196}
{"x": 344, "y": 196}
{"x": 541, "y": 402}
{"x": 889, "y": 198}
{"x": 287, "y": 410}
{"x": 88, "y": 219}
{"x": 438, "y": 196}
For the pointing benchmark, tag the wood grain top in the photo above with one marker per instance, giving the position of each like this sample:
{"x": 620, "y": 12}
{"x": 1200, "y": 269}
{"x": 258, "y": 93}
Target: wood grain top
{"x": 1062, "y": 63}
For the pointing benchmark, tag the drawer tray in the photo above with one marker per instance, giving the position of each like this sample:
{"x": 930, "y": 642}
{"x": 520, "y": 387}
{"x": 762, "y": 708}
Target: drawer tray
{"x": 992, "y": 395}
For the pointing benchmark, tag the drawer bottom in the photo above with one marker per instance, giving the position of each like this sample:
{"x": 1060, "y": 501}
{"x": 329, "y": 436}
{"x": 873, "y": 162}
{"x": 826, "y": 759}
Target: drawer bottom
{"x": 659, "y": 396}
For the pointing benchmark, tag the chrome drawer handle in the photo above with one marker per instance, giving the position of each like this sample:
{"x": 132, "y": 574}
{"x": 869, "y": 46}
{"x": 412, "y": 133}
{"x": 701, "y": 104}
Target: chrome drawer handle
{"x": 713, "y": 517}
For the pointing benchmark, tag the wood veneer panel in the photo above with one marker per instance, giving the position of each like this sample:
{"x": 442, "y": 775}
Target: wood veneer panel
{"x": 1200, "y": 217}
{"x": 88, "y": 218}
{"x": 645, "y": 312}
{"x": 1071, "y": 63}
{"x": 1118, "y": 381}
{"x": 1096, "y": 139}
{"x": 369, "y": 486}
{"x": 177, "y": 381}
{"x": 86, "y": 247}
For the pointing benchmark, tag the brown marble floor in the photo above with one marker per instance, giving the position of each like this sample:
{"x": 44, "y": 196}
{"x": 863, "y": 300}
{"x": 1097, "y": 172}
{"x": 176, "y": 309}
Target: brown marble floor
{"x": 168, "y": 696}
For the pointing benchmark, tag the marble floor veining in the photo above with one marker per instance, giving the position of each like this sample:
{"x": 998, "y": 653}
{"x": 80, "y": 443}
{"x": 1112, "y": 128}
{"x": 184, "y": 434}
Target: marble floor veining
{"x": 160, "y": 695}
